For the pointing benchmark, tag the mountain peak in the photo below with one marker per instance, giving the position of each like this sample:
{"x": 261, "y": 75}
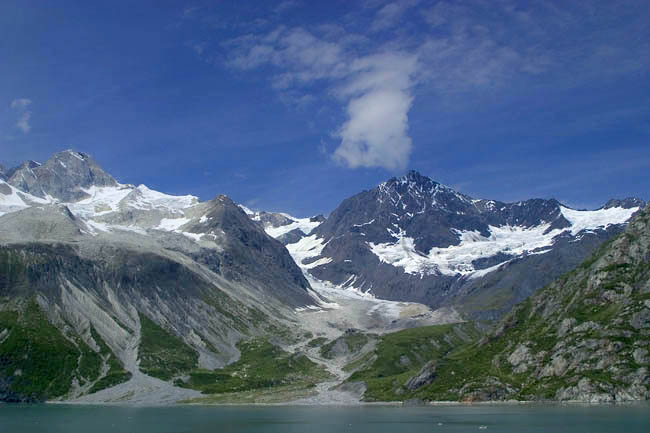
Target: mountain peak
{"x": 411, "y": 177}
{"x": 64, "y": 176}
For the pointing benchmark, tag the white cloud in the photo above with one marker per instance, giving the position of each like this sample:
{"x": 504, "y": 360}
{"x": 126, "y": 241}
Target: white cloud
{"x": 24, "y": 115}
{"x": 20, "y": 103}
{"x": 450, "y": 49}
{"x": 376, "y": 90}
{"x": 286, "y": 5}
{"x": 23, "y": 122}
{"x": 389, "y": 15}
{"x": 376, "y": 132}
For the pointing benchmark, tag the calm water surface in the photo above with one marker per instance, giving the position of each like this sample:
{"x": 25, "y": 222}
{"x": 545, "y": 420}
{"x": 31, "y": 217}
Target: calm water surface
{"x": 503, "y": 419}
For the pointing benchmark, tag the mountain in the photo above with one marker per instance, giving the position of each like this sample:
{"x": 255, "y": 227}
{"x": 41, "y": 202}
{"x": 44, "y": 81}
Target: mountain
{"x": 115, "y": 292}
{"x": 413, "y": 239}
{"x": 112, "y": 292}
{"x": 103, "y": 283}
{"x": 585, "y": 337}
{"x": 65, "y": 176}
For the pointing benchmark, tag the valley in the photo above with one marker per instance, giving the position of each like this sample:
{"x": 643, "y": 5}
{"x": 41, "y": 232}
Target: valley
{"x": 410, "y": 291}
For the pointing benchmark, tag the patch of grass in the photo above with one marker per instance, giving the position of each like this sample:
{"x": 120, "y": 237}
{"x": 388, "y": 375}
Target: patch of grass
{"x": 357, "y": 364}
{"x": 261, "y": 365}
{"x": 162, "y": 354}
{"x": 278, "y": 394}
{"x": 36, "y": 361}
{"x": 317, "y": 342}
{"x": 400, "y": 355}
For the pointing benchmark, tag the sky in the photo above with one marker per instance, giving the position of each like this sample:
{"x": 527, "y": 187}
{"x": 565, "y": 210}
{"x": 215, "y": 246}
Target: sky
{"x": 295, "y": 105}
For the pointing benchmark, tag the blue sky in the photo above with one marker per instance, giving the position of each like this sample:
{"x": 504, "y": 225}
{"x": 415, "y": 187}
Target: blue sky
{"x": 294, "y": 106}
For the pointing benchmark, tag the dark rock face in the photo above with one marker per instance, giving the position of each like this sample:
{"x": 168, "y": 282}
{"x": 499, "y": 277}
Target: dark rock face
{"x": 63, "y": 176}
{"x": 273, "y": 219}
{"x": 249, "y": 254}
{"x": 432, "y": 215}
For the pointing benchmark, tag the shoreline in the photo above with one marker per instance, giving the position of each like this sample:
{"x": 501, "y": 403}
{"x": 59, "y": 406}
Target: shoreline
{"x": 360, "y": 404}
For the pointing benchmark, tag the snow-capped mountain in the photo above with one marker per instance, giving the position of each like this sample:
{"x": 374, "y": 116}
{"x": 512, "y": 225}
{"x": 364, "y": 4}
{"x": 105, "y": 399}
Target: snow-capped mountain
{"x": 414, "y": 239}
{"x": 97, "y": 256}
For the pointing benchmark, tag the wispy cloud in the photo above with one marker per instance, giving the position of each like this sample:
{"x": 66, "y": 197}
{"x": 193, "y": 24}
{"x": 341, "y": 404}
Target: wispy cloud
{"x": 444, "y": 48}
{"x": 376, "y": 132}
{"x": 24, "y": 114}
{"x": 286, "y": 5}
{"x": 375, "y": 89}
{"x": 389, "y": 15}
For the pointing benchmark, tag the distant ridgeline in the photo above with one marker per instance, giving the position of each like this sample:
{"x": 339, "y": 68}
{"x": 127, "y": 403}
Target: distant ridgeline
{"x": 113, "y": 292}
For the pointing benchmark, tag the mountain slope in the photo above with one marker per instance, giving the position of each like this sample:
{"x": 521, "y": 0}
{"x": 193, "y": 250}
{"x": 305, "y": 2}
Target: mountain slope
{"x": 585, "y": 337}
{"x": 133, "y": 287}
{"x": 413, "y": 239}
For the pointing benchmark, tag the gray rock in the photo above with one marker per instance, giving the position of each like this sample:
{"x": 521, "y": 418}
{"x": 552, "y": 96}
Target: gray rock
{"x": 641, "y": 319}
{"x": 565, "y": 326}
{"x": 640, "y": 356}
{"x": 587, "y": 326}
{"x": 425, "y": 376}
{"x": 404, "y": 361}
{"x": 520, "y": 358}
{"x": 557, "y": 367}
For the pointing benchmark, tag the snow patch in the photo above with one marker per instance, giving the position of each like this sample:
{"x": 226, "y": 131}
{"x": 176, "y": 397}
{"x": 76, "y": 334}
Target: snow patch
{"x": 305, "y": 225}
{"x": 172, "y": 224}
{"x": 601, "y": 218}
{"x": 306, "y": 248}
{"x": 511, "y": 240}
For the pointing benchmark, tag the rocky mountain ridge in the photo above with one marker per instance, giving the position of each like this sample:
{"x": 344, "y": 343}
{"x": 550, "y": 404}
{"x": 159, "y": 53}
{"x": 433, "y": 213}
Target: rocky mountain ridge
{"x": 94, "y": 260}
{"x": 116, "y": 292}
{"x": 413, "y": 239}
{"x": 585, "y": 337}
{"x": 113, "y": 292}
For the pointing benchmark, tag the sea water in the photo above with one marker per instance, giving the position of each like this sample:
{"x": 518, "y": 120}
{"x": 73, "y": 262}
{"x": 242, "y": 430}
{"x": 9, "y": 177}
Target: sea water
{"x": 529, "y": 418}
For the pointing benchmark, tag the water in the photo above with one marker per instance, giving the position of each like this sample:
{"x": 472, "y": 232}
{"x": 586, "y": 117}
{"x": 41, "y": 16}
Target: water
{"x": 286, "y": 419}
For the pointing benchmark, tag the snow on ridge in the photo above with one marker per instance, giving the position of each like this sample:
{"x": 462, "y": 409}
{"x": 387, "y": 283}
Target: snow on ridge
{"x": 149, "y": 198}
{"x": 172, "y": 224}
{"x": 102, "y": 200}
{"x": 17, "y": 200}
{"x": 305, "y": 225}
{"x": 511, "y": 240}
{"x": 246, "y": 210}
{"x": 593, "y": 219}
{"x": 307, "y": 248}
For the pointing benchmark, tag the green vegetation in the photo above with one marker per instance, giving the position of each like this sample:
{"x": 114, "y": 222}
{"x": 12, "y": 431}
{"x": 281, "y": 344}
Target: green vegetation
{"x": 116, "y": 373}
{"x": 38, "y": 362}
{"x": 400, "y": 355}
{"x": 277, "y": 394}
{"x": 261, "y": 365}
{"x": 317, "y": 342}
{"x": 162, "y": 354}
{"x": 362, "y": 362}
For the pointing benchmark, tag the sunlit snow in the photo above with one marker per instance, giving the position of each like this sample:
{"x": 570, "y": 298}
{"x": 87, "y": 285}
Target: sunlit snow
{"x": 511, "y": 240}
